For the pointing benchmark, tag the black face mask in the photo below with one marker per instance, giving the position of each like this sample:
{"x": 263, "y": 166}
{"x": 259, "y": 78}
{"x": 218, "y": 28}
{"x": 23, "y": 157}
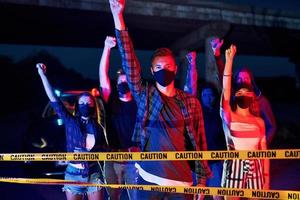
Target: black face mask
{"x": 123, "y": 88}
{"x": 164, "y": 77}
{"x": 85, "y": 110}
{"x": 243, "y": 101}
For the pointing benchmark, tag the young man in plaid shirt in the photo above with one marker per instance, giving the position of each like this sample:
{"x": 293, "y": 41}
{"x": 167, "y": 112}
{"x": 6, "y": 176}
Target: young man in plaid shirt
{"x": 167, "y": 119}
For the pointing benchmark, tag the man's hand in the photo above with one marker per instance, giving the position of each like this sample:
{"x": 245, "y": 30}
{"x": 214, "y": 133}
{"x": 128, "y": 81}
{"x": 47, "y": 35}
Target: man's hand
{"x": 216, "y": 45}
{"x": 110, "y": 42}
{"x": 230, "y": 53}
{"x": 41, "y": 68}
{"x": 191, "y": 57}
{"x": 117, "y": 7}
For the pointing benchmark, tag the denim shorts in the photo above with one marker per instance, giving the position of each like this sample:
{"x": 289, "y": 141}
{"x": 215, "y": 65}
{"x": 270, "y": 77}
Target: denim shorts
{"x": 75, "y": 174}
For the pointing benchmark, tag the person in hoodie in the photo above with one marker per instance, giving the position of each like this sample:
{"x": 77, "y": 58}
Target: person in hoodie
{"x": 244, "y": 75}
{"x": 83, "y": 134}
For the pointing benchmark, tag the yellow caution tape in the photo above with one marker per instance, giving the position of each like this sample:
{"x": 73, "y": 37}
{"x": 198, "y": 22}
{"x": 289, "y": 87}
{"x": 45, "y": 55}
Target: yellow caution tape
{"x": 146, "y": 156}
{"x": 247, "y": 193}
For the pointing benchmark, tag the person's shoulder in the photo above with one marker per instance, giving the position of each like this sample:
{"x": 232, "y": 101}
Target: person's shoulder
{"x": 260, "y": 121}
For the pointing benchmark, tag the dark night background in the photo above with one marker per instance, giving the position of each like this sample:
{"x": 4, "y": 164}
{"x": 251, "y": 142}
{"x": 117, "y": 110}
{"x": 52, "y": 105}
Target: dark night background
{"x": 73, "y": 60}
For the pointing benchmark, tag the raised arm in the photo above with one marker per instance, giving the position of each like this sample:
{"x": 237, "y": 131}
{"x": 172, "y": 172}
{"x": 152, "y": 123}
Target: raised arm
{"x": 48, "y": 89}
{"x": 216, "y": 45}
{"x": 117, "y": 9}
{"x": 130, "y": 63}
{"x": 190, "y": 85}
{"x": 109, "y": 43}
{"x": 227, "y": 76}
{"x": 56, "y": 104}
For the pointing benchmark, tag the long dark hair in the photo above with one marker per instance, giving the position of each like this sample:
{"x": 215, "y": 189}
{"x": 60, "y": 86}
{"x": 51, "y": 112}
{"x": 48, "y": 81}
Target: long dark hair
{"x": 76, "y": 106}
{"x": 253, "y": 84}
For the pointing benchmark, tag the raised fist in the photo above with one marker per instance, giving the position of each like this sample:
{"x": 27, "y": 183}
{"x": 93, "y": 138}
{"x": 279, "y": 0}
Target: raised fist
{"x": 216, "y": 45}
{"x": 191, "y": 57}
{"x": 41, "y": 68}
{"x": 230, "y": 53}
{"x": 110, "y": 42}
{"x": 117, "y": 6}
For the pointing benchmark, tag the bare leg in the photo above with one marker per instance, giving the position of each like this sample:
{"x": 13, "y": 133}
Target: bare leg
{"x": 71, "y": 196}
{"x": 111, "y": 177}
{"x": 96, "y": 195}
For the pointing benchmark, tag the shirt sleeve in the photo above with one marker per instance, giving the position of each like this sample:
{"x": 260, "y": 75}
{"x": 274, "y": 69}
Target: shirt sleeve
{"x": 190, "y": 85}
{"x": 202, "y": 169}
{"x": 130, "y": 63}
{"x": 61, "y": 110}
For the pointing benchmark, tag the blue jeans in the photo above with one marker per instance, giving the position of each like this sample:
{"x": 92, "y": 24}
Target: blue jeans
{"x": 75, "y": 174}
{"x": 120, "y": 173}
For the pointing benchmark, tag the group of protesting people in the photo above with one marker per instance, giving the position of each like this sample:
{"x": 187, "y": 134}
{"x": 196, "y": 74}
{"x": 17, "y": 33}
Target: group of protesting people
{"x": 159, "y": 117}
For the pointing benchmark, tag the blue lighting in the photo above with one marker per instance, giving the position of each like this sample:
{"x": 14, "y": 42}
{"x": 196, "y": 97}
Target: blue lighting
{"x": 59, "y": 122}
{"x": 57, "y": 92}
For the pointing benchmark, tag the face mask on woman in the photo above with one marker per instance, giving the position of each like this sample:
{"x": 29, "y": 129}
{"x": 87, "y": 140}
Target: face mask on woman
{"x": 85, "y": 110}
{"x": 243, "y": 101}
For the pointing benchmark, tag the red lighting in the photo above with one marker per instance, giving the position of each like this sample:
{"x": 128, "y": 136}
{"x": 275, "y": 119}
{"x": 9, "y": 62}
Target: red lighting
{"x": 95, "y": 92}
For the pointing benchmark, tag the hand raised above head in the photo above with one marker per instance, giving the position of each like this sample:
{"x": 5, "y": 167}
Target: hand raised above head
{"x": 117, "y": 6}
{"x": 41, "y": 68}
{"x": 191, "y": 56}
{"x": 230, "y": 52}
{"x": 110, "y": 42}
{"x": 216, "y": 45}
